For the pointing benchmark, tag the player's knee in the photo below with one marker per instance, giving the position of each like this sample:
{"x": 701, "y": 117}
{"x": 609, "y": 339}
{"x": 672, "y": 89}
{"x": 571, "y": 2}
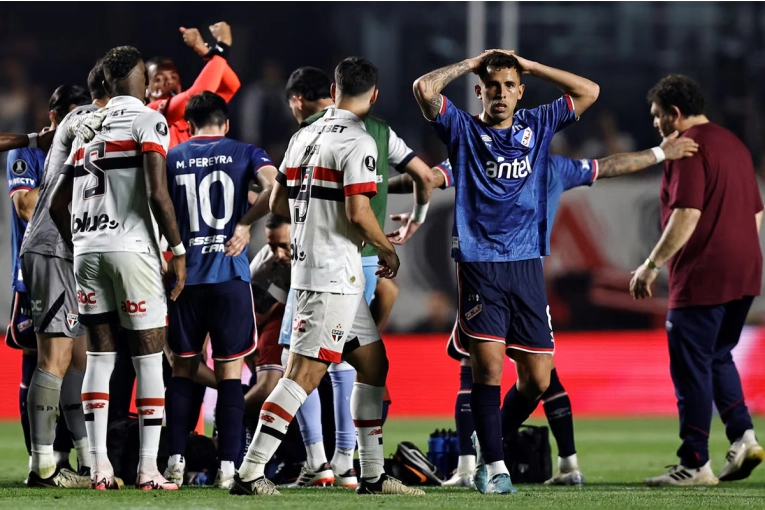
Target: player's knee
{"x": 184, "y": 367}
{"x": 534, "y": 382}
{"x": 306, "y": 372}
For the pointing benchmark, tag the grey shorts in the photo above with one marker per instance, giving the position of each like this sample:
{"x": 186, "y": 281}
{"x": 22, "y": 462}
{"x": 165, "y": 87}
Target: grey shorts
{"x": 52, "y": 294}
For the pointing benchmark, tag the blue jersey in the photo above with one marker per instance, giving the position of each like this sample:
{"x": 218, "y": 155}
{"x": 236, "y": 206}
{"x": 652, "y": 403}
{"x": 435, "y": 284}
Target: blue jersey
{"x": 208, "y": 178}
{"x": 24, "y": 171}
{"x": 501, "y": 177}
{"x": 565, "y": 174}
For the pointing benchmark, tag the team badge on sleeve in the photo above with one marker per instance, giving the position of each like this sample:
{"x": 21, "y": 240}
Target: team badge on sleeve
{"x": 19, "y": 167}
{"x": 161, "y": 128}
{"x": 369, "y": 162}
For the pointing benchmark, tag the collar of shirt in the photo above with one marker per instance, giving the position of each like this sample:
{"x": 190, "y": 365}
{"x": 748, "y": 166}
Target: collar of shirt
{"x": 336, "y": 113}
{"x": 207, "y": 137}
{"x": 124, "y": 100}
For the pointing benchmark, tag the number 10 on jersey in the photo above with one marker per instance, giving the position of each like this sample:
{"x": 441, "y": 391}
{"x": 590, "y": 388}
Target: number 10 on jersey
{"x": 199, "y": 200}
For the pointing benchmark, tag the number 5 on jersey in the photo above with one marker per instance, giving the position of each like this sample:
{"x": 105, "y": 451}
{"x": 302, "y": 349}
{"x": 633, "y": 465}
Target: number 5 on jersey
{"x": 93, "y": 153}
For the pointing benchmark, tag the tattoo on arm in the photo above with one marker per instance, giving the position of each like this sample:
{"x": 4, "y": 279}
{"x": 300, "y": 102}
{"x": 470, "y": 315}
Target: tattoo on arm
{"x": 428, "y": 88}
{"x": 627, "y": 163}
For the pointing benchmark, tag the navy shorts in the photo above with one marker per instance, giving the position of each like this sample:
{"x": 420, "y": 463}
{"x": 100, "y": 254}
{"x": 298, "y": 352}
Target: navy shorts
{"x": 504, "y": 302}
{"x": 20, "y": 333}
{"x": 224, "y": 310}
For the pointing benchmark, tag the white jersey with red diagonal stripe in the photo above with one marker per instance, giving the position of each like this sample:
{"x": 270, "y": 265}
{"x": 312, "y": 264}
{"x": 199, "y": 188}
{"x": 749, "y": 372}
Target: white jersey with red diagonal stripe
{"x": 110, "y": 206}
{"x": 325, "y": 162}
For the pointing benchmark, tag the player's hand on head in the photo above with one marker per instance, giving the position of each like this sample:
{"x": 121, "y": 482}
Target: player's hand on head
{"x": 640, "y": 285}
{"x": 476, "y": 62}
{"x": 194, "y": 40}
{"x": 238, "y": 241}
{"x": 675, "y": 147}
{"x": 179, "y": 267}
{"x": 405, "y": 231}
{"x": 525, "y": 64}
{"x": 222, "y": 32}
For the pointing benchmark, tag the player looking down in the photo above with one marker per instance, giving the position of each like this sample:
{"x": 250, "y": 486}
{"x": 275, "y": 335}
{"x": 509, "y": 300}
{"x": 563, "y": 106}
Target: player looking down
{"x": 117, "y": 186}
{"x": 324, "y": 185}
{"x": 164, "y": 90}
{"x": 501, "y": 161}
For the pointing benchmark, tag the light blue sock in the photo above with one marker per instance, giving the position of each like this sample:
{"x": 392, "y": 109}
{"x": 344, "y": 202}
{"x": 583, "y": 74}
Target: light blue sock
{"x": 309, "y": 418}
{"x": 342, "y": 386}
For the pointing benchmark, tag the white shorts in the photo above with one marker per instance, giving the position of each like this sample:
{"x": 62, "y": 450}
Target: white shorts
{"x": 327, "y": 325}
{"x": 129, "y": 283}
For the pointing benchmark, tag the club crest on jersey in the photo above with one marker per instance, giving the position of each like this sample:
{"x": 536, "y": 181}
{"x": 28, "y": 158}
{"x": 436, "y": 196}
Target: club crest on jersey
{"x": 19, "y": 167}
{"x": 337, "y": 333}
{"x": 487, "y": 141}
{"x": 474, "y": 311}
{"x": 369, "y": 162}
{"x": 72, "y": 320}
{"x": 161, "y": 128}
{"x": 526, "y": 137}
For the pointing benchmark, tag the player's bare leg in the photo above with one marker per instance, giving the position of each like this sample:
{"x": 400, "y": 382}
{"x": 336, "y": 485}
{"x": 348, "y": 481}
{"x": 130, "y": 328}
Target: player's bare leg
{"x": 146, "y": 347}
{"x": 102, "y": 354}
{"x": 487, "y": 359}
{"x": 382, "y": 304}
{"x": 371, "y": 364}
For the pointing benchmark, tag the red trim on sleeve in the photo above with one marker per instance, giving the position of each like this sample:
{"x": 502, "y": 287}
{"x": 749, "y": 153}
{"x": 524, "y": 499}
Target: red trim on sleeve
{"x": 447, "y": 181}
{"x": 265, "y": 164}
{"x": 595, "y": 170}
{"x": 364, "y": 188}
{"x": 443, "y": 104}
{"x": 153, "y": 147}
{"x": 569, "y": 102}
{"x": 19, "y": 188}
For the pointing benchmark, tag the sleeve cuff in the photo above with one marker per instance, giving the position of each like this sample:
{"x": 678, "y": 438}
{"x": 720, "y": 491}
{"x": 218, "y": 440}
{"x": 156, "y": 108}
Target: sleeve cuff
{"x": 153, "y": 147}
{"x": 257, "y": 168}
{"x": 280, "y": 178}
{"x": 19, "y": 188}
{"x": 447, "y": 181}
{"x": 365, "y": 188}
{"x": 402, "y": 166}
{"x": 595, "y": 170}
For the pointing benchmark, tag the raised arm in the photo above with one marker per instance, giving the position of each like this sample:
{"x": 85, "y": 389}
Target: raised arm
{"x": 626, "y": 163}
{"x": 427, "y": 88}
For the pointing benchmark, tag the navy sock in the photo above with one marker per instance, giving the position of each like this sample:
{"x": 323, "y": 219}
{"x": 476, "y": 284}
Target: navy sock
{"x": 463, "y": 416}
{"x": 558, "y": 410}
{"x": 229, "y": 416}
{"x": 484, "y": 401}
{"x": 516, "y": 409}
{"x": 28, "y": 366}
{"x": 63, "y": 439}
{"x": 179, "y": 402}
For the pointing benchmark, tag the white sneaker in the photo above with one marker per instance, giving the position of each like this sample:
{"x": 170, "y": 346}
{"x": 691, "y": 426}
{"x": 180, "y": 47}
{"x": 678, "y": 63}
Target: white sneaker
{"x": 322, "y": 477}
{"x": 222, "y": 481}
{"x": 744, "y": 455}
{"x": 459, "y": 480}
{"x": 573, "y": 477}
{"x": 174, "y": 472}
{"x": 684, "y": 476}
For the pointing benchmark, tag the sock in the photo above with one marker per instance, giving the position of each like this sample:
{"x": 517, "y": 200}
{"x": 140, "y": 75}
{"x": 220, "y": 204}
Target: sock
{"x": 275, "y": 417}
{"x": 71, "y": 402}
{"x": 62, "y": 442}
{"x": 496, "y": 468}
{"x": 28, "y": 365}
{"x": 463, "y": 416}
{"x": 345, "y": 432}
{"x": 150, "y": 404}
{"x": 558, "y": 410}
{"x": 174, "y": 459}
{"x": 95, "y": 406}
{"x": 61, "y": 457}
{"x": 179, "y": 398}
{"x": 366, "y": 408}
{"x": 309, "y": 419}
{"x": 227, "y": 468}
{"x": 484, "y": 401}
{"x": 566, "y": 464}
{"x": 42, "y": 401}
{"x": 466, "y": 464}
{"x": 229, "y": 415}
{"x": 316, "y": 457}
{"x": 516, "y": 409}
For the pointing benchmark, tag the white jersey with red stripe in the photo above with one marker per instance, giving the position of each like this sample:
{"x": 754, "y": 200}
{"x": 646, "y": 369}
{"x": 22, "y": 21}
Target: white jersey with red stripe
{"x": 332, "y": 158}
{"x": 110, "y": 206}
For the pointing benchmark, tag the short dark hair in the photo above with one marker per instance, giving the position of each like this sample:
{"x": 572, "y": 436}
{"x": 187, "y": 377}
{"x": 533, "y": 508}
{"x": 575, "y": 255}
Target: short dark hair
{"x": 96, "y": 81}
{"x": 678, "y": 90}
{"x": 355, "y": 76}
{"x": 119, "y": 61}
{"x": 310, "y": 82}
{"x": 275, "y": 221}
{"x": 65, "y": 96}
{"x": 161, "y": 63}
{"x": 206, "y": 109}
{"x": 498, "y": 60}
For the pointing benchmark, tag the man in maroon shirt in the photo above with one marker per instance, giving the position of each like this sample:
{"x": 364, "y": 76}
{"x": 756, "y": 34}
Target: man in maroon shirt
{"x": 711, "y": 212}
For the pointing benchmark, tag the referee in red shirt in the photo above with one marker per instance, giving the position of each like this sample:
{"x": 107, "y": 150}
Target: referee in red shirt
{"x": 711, "y": 211}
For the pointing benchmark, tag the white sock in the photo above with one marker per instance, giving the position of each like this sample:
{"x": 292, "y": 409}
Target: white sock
{"x": 316, "y": 457}
{"x": 342, "y": 460}
{"x": 150, "y": 404}
{"x": 749, "y": 437}
{"x": 496, "y": 468}
{"x": 61, "y": 457}
{"x": 366, "y": 409}
{"x": 227, "y": 468}
{"x": 43, "y": 460}
{"x": 466, "y": 465}
{"x": 174, "y": 459}
{"x": 83, "y": 452}
{"x": 275, "y": 417}
{"x": 566, "y": 464}
{"x": 95, "y": 406}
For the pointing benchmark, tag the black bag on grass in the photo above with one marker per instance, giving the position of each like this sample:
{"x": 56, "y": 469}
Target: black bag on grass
{"x": 528, "y": 455}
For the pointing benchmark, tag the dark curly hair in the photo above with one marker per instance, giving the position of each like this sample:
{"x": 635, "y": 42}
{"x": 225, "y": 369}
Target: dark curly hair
{"x": 355, "y": 76}
{"x": 96, "y": 81}
{"x": 119, "y": 61}
{"x": 497, "y": 60}
{"x": 678, "y": 90}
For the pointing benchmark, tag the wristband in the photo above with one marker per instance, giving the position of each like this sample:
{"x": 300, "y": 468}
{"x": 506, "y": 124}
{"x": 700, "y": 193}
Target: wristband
{"x": 178, "y": 250}
{"x": 220, "y": 48}
{"x": 659, "y": 153}
{"x": 419, "y": 213}
{"x": 651, "y": 265}
{"x": 32, "y": 140}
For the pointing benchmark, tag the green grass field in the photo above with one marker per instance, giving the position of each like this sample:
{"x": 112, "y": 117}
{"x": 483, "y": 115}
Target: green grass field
{"x": 615, "y": 456}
